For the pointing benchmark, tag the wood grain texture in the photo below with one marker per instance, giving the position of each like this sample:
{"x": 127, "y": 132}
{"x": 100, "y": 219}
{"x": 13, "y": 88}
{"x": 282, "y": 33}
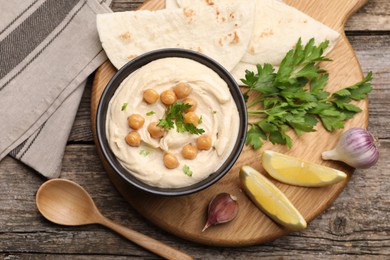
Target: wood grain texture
{"x": 252, "y": 226}
{"x": 374, "y": 16}
{"x": 65, "y": 202}
{"x": 355, "y": 226}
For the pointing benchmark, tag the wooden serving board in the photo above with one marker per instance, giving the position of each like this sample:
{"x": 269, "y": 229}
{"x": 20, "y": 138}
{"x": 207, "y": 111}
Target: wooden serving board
{"x": 185, "y": 216}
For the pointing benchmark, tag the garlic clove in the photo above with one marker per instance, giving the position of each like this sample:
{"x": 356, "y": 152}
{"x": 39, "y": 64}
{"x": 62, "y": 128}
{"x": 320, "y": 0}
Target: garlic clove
{"x": 222, "y": 208}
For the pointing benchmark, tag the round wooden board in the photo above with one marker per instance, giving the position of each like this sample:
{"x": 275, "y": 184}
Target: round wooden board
{"x": 185, "y": 216}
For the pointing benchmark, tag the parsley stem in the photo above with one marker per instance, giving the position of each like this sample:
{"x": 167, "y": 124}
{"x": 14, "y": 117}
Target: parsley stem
{"x": 255, "y": 101}
{"x": 257, "y": 112}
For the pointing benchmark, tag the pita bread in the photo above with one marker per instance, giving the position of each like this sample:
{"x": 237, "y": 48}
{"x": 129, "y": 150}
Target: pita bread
{"x": 171, "y": 4}
{"x": 278, "y": 27}
{"x": 238, "y": 72}
{"x": 221, "y": 34}
{"x": 188, "y": 3}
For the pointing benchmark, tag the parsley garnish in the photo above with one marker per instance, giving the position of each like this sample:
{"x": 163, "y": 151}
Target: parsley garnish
{"x": 175, "y": 115}
{"x": 187, "y": 170}
{"x": 287, "y": 102}
{"x": 144, "y": 152}
{"x": 150, "y": 113}
{"x": 124, "y": 106}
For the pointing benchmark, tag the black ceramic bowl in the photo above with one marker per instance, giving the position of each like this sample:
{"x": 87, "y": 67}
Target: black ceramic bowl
{"x": 137, "y": 63}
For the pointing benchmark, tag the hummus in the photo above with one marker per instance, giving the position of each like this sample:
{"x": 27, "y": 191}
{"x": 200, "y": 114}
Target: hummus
{"x": 216, "y": 107}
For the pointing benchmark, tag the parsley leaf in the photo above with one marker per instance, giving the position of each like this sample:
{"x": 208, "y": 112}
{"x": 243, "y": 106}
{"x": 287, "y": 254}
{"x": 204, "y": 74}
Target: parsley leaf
{"x": 294, "y": 97}
{"x": 150, "y": 113}
{"x": 174, "y": 115}
{"x": 200, "y": 120}
{"x": 192, "y": 129}
{"x": 144, "y": 152}
{"x": 187, "y": 170}
{"x": 124, "y": 106}
{"x": 255, "y": 137}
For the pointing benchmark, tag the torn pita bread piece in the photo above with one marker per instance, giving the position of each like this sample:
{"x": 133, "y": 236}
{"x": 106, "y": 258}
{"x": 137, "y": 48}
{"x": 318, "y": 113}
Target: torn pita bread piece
{"x": 278, "y": 27}
{"x": 222, "y": 34}
{"x": 171, "y": 4}
{"x": 238, "y": 72}
{"x": 192, "y": 3}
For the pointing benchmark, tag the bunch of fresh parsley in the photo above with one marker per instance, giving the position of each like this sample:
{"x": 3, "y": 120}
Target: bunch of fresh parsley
{"x": 175, "y": 115}
{"x": 293, "y": 97}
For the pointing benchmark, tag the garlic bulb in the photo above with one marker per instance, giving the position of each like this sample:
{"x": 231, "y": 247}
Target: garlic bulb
{"x": 356, "y": 147}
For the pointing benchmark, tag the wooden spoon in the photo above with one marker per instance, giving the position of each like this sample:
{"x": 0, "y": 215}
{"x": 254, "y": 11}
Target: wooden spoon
{"x": 66, "y": 203}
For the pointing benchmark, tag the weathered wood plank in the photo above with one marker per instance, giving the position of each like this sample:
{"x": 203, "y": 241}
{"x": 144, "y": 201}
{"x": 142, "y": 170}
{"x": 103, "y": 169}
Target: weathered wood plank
{"x": 373, "y": 53}
{"x": 14, "y": 256}
{"x": 125, "y": 5}
{"x": 374, "y": 16}
{"x": 355, "y": 225}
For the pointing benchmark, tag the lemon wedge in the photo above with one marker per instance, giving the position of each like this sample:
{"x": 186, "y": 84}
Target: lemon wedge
{"x": 290, "y": 170}
{"x": 270, "y": 199}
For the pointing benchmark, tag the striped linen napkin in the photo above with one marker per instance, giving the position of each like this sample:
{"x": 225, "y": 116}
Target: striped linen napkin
{"x": 48, "y": 48}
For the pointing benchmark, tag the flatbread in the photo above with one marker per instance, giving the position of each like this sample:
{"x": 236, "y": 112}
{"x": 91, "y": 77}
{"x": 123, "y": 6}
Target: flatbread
{"x": 171, "y": 4}
{"x": 278, "y": 27}
{"x": 238, "y": 72}
{"x": 221, "y": 34}
{"x": 187, "y": 3}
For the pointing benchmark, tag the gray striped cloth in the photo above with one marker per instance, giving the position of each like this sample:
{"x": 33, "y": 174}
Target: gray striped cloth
{"x": 48, "y": 48}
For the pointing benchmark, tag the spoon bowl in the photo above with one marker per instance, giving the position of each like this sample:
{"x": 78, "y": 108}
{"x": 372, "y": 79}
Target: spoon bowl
{"x": 65, "y": 202}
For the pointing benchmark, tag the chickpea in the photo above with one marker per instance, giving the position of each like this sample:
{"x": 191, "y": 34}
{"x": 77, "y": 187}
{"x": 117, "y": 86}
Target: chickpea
{"x": 203, "y": 142}
{"x": 170, "y": 161}
{"x": 193, "y": 104}
{"x": 168, "y": 97}
{"x": 151, "y": 96}
{"x": 191, "y": 117}
{"x": 155, "y": 130}
{"x": 133, "y": 139}
{"x": 135, "y": 121}
{"x": 182, "y": 90}
{"x": 189, "y": 151}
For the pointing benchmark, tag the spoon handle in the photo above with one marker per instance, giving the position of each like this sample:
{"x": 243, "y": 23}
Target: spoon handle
{"x": 146, "y": 242}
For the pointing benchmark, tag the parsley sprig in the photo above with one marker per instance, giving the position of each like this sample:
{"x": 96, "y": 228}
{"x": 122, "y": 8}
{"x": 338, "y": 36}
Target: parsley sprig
{"x": 294, "y": 97}
{"x": 124, "y": 106}
{"x": 187, "y": 170}
{"x": 175, "y": 115}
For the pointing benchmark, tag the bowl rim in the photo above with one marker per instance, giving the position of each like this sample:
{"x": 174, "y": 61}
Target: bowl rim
{"x": 134, "y": 65}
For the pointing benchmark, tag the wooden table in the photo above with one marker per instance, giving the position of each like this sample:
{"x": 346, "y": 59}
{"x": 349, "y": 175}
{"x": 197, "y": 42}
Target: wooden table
{"x": 356, "y": 225}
